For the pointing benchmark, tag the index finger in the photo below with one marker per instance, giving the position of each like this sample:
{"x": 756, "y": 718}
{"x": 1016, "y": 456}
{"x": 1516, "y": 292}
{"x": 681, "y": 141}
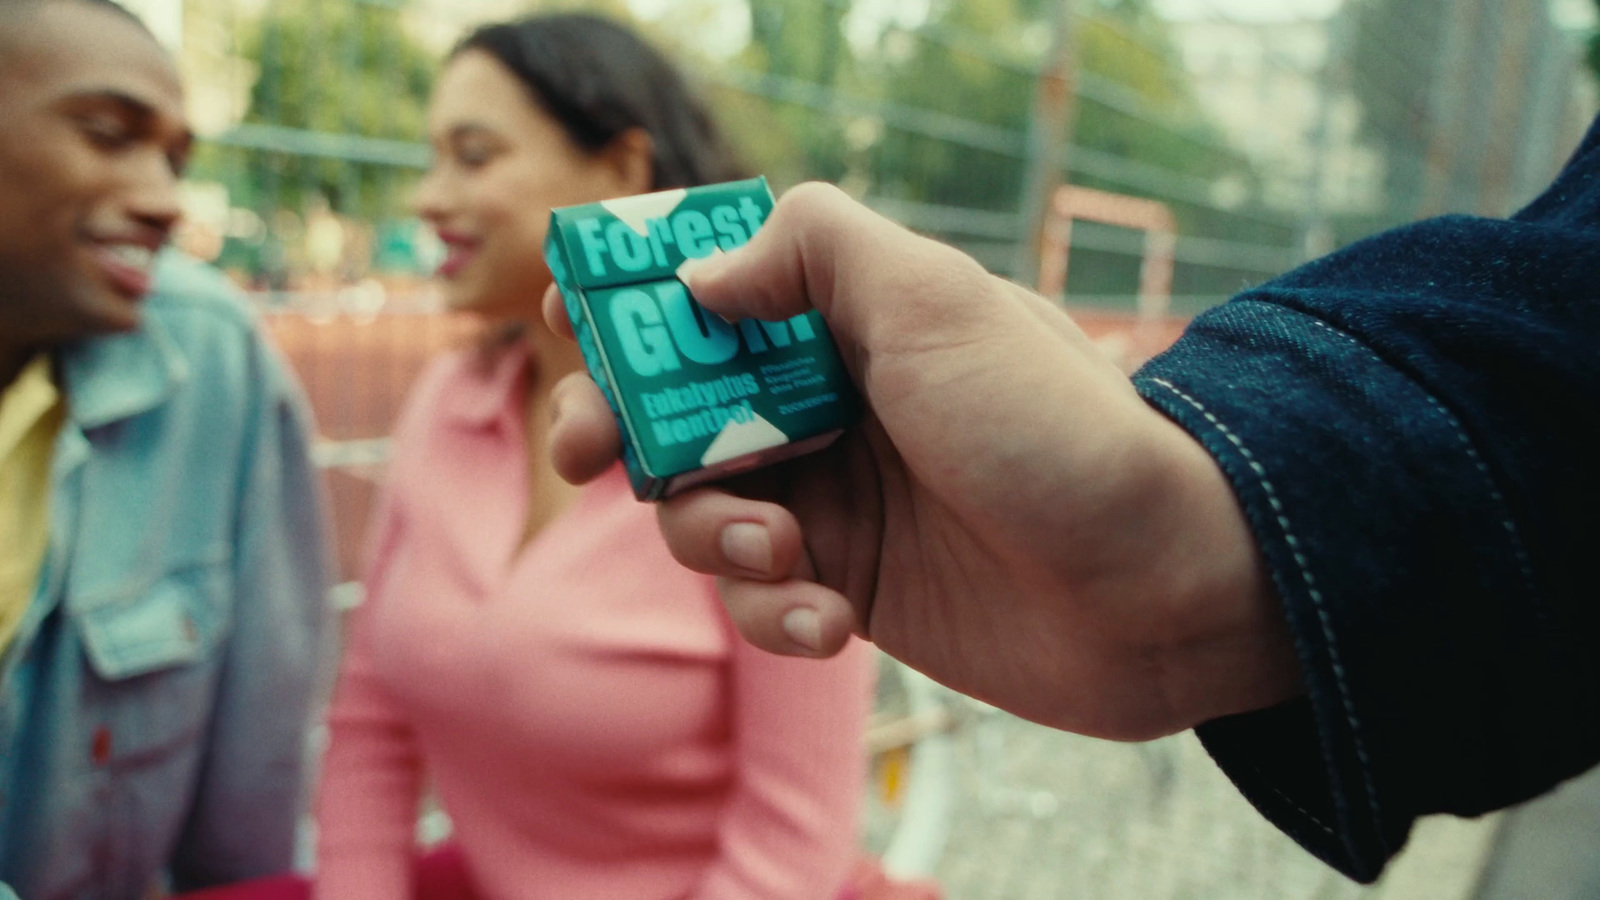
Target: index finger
{"x": 555, "y": 313}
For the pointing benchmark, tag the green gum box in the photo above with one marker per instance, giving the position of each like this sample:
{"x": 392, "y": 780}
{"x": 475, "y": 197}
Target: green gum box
{"x": 696, "y": 399}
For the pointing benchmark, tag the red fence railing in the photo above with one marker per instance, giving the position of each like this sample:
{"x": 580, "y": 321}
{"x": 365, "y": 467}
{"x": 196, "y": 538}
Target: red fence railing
{"x": 357, "y": 370}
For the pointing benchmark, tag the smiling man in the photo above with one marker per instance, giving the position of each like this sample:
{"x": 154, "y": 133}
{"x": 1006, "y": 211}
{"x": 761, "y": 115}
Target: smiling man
{"x": 161, "y": 564}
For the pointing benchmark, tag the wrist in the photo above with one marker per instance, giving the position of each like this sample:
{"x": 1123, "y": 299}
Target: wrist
{"x": 1226, "y": 647}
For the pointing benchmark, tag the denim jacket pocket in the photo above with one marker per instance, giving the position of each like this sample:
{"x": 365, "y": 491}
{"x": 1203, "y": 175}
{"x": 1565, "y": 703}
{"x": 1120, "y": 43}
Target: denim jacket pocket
{"x": 155, "y": 655}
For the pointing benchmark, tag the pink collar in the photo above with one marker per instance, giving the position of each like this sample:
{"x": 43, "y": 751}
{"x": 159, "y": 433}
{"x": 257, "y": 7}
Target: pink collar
{"x": 484, "y": 395}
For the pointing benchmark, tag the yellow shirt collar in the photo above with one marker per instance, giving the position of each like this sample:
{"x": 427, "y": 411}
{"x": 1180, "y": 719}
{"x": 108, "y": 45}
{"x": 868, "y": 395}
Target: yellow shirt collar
{"x": 31, "y": 397}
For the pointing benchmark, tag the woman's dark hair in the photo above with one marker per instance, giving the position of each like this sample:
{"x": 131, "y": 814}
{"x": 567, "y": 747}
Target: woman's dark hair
{"x": 599, "y": 79}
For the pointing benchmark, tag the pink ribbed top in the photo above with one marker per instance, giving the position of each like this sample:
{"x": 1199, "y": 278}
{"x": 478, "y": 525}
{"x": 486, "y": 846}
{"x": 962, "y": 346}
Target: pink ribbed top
{"x": 589, "y": 718}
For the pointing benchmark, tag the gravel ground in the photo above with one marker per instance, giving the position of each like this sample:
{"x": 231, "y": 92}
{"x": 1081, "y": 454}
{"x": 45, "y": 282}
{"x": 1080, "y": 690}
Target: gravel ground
{"x": 1043, "y": 814}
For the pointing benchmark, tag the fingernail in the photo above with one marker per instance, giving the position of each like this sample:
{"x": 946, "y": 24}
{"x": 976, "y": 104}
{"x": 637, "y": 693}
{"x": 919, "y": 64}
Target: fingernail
{"x": 804, "y": 627}
{"x": 748, "y": 546}
{"x": 694, "y": 271}
{"x": 694, "y": 274}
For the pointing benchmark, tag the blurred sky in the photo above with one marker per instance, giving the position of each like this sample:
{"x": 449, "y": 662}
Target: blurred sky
{"x": 1249, "y": 10}
{"x": 1577, "y": 14}
{"x": 728, "y": 27}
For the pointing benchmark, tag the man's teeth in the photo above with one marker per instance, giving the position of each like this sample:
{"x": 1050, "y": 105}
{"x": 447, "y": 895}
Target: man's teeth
{"x": 132, "y": 256}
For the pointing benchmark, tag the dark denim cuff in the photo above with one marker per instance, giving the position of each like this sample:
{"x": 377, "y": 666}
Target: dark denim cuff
{"x": 1401, "y": 574}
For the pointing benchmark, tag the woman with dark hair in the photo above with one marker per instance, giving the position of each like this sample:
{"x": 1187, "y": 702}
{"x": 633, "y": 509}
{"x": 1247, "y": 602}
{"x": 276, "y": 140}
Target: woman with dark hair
{"x": 583, "y": 709}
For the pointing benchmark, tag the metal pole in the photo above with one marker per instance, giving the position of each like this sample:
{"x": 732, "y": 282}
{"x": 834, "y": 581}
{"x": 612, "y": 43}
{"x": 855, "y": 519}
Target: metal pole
{"x": 1049, "y": 135}
{"x": 1455, "y": 70}
{"x": 1316, "y": 237}
{"x": 1545, "y": 94}
{"x": 821, "y": 143}
{"x": 1508, "y": 105}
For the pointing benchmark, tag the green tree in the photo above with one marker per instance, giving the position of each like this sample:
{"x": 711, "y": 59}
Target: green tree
{"x": 1121, "y": 45}
{"x": 802, "y": 41}
{"x": 345, "y": 69}
{"x": 966, "y": 64}
{"x": 1592, "y": 56}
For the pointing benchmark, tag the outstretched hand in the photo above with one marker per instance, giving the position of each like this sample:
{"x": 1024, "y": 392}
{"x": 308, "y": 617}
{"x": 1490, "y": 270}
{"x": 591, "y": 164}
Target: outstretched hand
{"x": 1009, "y": 517}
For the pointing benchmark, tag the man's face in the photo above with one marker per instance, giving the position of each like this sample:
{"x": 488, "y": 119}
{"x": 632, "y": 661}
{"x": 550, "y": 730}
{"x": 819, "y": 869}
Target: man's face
{"x": 92, "y": 141}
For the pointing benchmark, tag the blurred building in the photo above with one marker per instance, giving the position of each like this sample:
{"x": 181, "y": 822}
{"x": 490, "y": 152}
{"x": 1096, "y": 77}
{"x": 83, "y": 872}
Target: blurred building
{"x": 1510, "y": 100}
{"x": 1269, "y": 87}
{"x": 1389, "y": 110}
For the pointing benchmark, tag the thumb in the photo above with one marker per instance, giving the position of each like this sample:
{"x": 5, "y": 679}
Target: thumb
{"x": 818, "y": 250}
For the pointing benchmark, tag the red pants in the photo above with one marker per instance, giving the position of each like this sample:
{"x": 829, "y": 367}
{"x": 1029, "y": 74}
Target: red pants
{"x": 441, "y": 875}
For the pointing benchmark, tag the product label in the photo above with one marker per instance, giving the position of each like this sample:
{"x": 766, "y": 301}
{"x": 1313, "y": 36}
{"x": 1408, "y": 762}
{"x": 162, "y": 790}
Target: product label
{"x": 694, "y": 395}
{"x": 700, "y": 390}
{"x": 619, "y": 246}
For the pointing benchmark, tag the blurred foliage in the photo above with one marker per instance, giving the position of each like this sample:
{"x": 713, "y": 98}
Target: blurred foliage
{"x": 803, "y": 39}
{"x": 350, "y": 67}
{"x": 974, "y": 61}
{"x": 343, "y": 68}
{"x": 1592, "y": 51}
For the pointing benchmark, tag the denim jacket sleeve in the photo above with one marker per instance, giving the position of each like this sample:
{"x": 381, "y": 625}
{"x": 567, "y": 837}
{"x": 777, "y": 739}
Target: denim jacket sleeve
{"x": 243, "y": 818}
{"x": 1410, "y": 427}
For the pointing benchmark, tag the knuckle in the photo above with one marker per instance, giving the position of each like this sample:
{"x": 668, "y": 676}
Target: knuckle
{"x": 569, "y": 389}
{"x": 810, "y": 203}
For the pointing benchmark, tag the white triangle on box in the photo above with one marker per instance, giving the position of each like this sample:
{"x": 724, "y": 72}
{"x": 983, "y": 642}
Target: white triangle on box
{"x": 690, "y": 264}
{"x": 740, "y": 438}
{"x": 636, "y": 212}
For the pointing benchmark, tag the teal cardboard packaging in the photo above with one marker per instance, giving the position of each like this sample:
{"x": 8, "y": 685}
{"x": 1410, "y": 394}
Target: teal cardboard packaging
{"x": 696, "y": 398}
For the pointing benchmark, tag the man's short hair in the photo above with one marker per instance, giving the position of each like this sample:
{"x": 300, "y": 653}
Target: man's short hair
{"x": 10, "y": 8}
{"x": 15, "y": 13}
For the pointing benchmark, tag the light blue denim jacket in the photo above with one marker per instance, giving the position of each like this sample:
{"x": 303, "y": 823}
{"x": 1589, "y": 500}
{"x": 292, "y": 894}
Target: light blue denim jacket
{"x": 153, "y": 705}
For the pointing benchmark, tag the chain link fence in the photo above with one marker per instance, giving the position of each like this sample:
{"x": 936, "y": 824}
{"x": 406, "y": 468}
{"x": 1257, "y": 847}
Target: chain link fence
{"x": 1265, "y": 133}
{"x": 1272, "y": 138}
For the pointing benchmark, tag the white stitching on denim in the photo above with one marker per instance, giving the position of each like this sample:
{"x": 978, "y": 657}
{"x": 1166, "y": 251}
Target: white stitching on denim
{"x": 1524, "y": 563}
{"x": 1323, "y": 619}
{"x": 1310, "y": 816}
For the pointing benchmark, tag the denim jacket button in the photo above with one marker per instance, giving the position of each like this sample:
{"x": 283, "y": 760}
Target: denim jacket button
{"x": 100, "y": 748}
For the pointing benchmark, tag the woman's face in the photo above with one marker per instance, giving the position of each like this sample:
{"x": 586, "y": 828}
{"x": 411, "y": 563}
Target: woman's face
{"x": 500, "y": 162}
